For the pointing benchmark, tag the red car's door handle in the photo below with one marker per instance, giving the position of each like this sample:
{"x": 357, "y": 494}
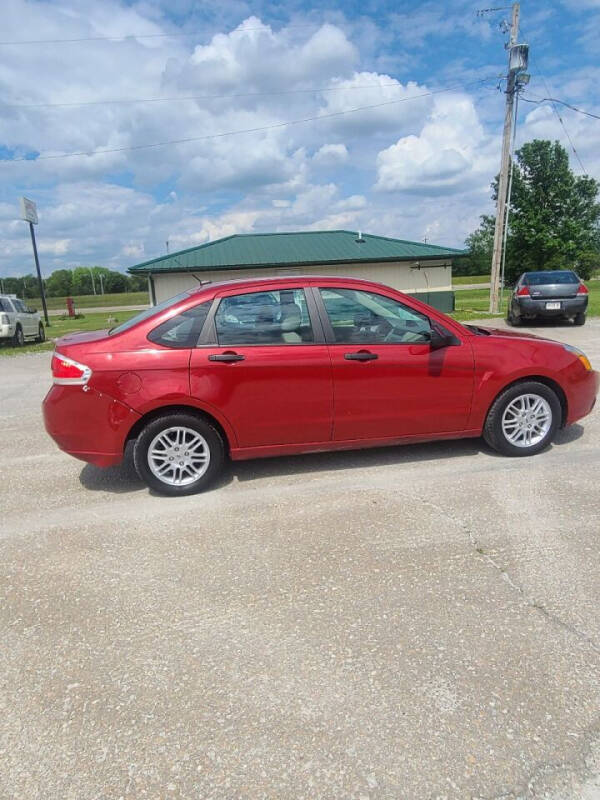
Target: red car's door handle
{"x": 227, "y": 357}
{"x": 362, "y": 355}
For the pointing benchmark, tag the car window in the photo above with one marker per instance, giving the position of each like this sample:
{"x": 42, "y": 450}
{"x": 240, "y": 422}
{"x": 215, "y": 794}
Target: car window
{"x": 182, "y": 330}
{"x": 277, "y": 317}
{"x": 148, "y": 312}
{"x": 20, "y": 307}
{"x": 368, "y": 318}
{"x": 5, "y": 304}
{"x": 543, "y": 278}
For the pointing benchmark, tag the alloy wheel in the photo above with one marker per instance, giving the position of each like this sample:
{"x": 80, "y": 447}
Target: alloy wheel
{"x": 178, "y": 456}
{"x": 526, "y": 420}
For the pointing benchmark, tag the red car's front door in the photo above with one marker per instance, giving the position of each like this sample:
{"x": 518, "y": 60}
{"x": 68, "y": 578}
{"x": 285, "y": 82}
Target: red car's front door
{"x": 388, "y": 382}
{"x": 270, "y": 372}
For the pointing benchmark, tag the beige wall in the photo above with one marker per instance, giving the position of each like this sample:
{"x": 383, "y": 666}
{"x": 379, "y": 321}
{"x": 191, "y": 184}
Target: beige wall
{"x": 435, "y": 276}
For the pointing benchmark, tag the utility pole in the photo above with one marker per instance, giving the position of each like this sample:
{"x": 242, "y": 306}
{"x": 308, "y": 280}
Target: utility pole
{"x": 93, "y": 284}
{"x": 505, "y": 165}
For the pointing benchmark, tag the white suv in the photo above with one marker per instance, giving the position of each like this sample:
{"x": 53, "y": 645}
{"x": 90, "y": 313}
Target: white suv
{"x": 18, "y": 322}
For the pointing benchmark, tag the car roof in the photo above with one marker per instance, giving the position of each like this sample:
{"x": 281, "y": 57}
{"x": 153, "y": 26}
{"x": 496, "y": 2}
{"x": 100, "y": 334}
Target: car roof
{"x": 282, "y": 280}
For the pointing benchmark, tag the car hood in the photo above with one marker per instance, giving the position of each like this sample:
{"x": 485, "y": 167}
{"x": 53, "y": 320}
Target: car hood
{"x": 513, "y": 334}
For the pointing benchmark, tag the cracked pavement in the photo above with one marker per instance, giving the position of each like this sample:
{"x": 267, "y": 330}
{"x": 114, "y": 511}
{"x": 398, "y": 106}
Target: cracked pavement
{"x": 417, "y": 622}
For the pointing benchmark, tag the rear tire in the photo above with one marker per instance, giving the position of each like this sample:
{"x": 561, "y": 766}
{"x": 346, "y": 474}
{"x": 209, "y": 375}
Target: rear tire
{"x": 163, "y": 442}
{"x": 513, "y": 320}
{"x": 579, "y": 319}
{"x": 506, "y": 427}
{"x": 41, "y": 337}
{"x": 18, "y": 338}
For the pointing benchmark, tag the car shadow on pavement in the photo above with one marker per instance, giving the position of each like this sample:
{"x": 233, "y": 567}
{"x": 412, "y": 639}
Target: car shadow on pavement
{"x": 356, "y": 459}
{"x": 124, "y": 478}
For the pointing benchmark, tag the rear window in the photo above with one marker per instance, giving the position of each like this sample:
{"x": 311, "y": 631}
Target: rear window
{"x": 5, "y": 304}
{"x": 149, "y": 312}
{"x": 544, "y": 278}
{"x": 182, "y": 330}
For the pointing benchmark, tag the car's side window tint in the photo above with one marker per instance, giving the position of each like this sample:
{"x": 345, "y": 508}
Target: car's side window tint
{"x": 273, "y": 317}
{"x": 359, "y": 317}
{"x": 182, "y": 330}
{"x": 20, "y": 307}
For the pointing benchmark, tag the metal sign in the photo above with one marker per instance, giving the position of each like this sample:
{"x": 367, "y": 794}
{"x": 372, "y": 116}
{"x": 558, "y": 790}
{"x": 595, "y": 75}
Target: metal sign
{"x": 29, "y": 211}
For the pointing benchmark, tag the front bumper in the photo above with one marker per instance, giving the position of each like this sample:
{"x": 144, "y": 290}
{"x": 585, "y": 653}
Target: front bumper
{"x": 87, "y": 424}
{"x": 568, "y": 306}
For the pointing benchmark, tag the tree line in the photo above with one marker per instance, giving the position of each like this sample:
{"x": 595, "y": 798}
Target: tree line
{"x": 78, "y": 281}
{"x": 553, "y": 223}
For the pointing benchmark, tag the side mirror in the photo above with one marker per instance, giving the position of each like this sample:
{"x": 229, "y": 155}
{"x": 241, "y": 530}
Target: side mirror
{"x": 438, "y": 340}
{"x": 32, "y": 310}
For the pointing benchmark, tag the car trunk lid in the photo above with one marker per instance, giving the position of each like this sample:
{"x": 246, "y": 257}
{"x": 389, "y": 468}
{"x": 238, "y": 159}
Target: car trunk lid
{"x": 551, "y": 291}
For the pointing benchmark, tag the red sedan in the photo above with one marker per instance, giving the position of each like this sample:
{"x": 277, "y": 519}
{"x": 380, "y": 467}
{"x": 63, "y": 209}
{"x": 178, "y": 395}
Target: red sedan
{"x": 268, "y": 367}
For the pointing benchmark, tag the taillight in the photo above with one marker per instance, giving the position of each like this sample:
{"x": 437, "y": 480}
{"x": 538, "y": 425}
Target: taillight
{"x": 67, "y": 372}
{"x": 4, "y": 320}
{"x": 582, "y": 289}
{"x": 524, "y": 290}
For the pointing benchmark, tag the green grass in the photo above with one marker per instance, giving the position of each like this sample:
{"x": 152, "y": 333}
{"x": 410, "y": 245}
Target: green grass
{"x": 474, "y": 303}
{"x": 59, "y": 327}
{"x": 460, "y": 280}
{"x": 92, "y": 300}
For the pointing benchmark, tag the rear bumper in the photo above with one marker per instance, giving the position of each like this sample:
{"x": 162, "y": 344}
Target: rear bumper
{"x": 7, "y": 331}
{"x": 88, "y": 425}
{"x": 569, "y": 306}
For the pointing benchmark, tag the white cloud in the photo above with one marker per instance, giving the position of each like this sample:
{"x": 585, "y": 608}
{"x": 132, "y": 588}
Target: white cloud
{"x": 451, "y": 151}
{"x": 331, "y": 154}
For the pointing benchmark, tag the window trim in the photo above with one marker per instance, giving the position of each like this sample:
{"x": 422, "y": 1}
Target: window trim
{"x": 209, "y": 333}
{"x": 328, "y": 327}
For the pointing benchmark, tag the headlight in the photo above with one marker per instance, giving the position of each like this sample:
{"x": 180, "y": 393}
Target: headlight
{"x": 580, "y": 355}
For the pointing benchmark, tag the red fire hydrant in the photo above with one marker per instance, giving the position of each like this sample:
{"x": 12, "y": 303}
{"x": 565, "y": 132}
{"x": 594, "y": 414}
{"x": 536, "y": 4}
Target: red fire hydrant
{"x": 70, "y": 306}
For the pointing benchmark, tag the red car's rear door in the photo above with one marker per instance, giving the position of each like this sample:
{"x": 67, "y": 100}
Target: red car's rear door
{"x": 388, "y": 382}
{"x": 266, "y": 367}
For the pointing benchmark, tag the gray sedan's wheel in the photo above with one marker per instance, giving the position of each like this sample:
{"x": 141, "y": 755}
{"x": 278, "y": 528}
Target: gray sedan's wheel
{"x": 512, "y": 319}
{"x": 18, "y": 338}
{"x": 579, "y": 318}
{"x": 523, "y": 419}
{"x": 178, "y": 454}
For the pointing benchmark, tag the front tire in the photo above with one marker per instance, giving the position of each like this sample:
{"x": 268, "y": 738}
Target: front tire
{"x": 523, "y": 419}
{"x": 179, "y": 454}
{"x": 41, "y": 337}
{"x": 579, "y": 319}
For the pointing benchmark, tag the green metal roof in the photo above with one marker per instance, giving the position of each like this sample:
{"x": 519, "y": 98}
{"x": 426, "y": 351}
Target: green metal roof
{"x": 303, "y": 248}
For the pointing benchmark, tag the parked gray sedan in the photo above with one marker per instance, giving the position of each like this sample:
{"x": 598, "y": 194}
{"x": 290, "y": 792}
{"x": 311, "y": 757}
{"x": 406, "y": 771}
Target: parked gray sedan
{"x": 551, "y": 293}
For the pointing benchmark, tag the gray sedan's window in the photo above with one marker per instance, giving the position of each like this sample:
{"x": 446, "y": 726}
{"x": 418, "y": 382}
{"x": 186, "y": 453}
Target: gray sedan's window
{"x": 543, "y": 278}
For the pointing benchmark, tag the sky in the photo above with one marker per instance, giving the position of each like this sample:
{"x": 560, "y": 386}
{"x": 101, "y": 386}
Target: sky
{"x": 218, "y": 81}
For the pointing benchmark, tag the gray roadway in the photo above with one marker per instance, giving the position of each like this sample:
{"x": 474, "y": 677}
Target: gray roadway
{"x": 417, "y": 622}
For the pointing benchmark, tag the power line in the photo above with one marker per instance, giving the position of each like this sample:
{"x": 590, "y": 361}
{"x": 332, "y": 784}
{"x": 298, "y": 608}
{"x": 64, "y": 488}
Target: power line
{"x": 125, "y": 36}
{"x": 564, "y": 127}
{"x": 203, "y": 97}
{"x": 562, "y": 103}
{"x": 246, "y": 130}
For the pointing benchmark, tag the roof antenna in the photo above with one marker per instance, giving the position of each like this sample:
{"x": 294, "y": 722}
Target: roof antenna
{"x": 200, "y": 281}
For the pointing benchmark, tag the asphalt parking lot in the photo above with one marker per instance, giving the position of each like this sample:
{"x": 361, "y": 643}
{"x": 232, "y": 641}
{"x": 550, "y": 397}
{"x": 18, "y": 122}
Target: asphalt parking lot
{"x": 417, "y": 622}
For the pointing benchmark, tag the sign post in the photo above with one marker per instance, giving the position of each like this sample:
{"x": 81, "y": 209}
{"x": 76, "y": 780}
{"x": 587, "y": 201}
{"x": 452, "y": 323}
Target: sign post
{"x": 29, "y": 214}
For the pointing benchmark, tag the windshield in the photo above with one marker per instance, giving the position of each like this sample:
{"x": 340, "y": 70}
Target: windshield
{"x": 543, "y": 278}
{"x": 148, "y": 312}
